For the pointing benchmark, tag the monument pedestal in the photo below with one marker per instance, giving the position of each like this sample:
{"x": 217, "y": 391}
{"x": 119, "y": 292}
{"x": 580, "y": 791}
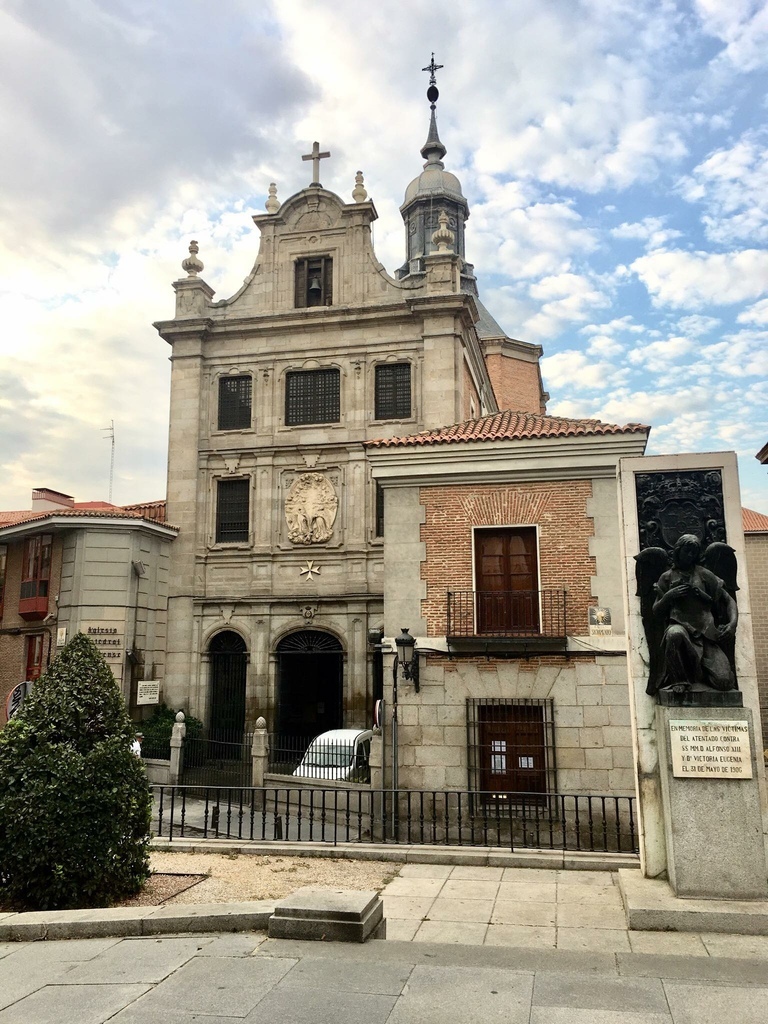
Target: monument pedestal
{"x": 711, "y": 803}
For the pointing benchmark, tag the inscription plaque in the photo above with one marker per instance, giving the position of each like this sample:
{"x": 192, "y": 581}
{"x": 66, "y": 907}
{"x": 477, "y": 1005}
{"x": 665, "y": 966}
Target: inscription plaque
{"x": 710, "y": 749}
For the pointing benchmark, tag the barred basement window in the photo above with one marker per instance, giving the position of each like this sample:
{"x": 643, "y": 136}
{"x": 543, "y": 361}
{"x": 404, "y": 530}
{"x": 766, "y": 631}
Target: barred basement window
{"x": 511, "y": 746}
{"x": 235, "y": 402}
{"x": 232, "y": 511}
{"x": 313, "y": 282}
{"x": 393, "y": 391}
{"x": 312, "y": 396}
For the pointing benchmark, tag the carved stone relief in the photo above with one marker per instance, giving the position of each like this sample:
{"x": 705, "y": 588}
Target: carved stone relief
{"x": 671, "y": 504}
{"x": 310, "y": 509}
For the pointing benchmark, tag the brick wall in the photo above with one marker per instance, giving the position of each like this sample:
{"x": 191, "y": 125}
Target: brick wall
{"x": 515, "y": 383}
{"x": 13, "y": 649}
{"x": 559, "y": 509}
{"x": 757, "y": 569}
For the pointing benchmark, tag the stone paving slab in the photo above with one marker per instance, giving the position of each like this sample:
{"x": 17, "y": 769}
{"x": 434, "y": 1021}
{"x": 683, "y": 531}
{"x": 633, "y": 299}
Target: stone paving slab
{"x": 135, "y": 961}
{"x": 567, "y": 1015}
{"x": 636, "y": 995}
{"x": 86, "y": 1004}
{"x": 488, "y": 995}
{"x": 310, "y": 1006}
{"x": 692, "y": 1005}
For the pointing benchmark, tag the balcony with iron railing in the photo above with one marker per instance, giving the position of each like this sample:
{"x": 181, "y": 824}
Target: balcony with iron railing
{"x": 517, "y": 621}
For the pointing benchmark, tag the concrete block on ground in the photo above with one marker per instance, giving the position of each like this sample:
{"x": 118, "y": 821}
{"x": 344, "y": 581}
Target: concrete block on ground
{"x": 331, "y": 915}
{"x": 650, "y": 905}
{"x": 252, "y": 915}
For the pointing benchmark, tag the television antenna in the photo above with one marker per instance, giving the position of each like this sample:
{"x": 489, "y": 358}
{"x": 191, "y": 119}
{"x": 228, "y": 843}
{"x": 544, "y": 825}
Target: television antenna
{"x": 109, "y": 434}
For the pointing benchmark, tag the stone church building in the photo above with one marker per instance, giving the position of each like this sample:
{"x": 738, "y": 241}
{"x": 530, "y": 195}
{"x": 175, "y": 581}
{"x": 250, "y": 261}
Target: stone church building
{"x": 353, "y": 452}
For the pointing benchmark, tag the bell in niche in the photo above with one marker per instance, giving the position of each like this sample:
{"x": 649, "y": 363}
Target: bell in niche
{"x": 314, "y": 287}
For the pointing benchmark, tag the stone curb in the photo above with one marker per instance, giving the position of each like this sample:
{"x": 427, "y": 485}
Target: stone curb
{"x": 136, "y": 921}
{"x": 476, "y": 856}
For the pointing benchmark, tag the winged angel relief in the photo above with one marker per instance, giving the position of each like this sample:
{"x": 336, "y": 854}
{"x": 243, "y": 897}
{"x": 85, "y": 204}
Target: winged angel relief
{"x": 689, "y": 615}
{"x": 310, "y": 509}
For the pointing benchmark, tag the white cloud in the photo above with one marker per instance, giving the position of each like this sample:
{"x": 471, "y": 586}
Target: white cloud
{"x": 565, "y": 299}
{"x": 732, "y": 184}
{"x": 659, "y": 356}
{"x": 755, "y": 314}
{"x": 697, "y": 279}
{"x": 697, "y": 325}
{"x": 602, "y": 345}
{"x": 742, "y": 25}
{"x": 650, "y": 230}
{"x": 573, "y": 370}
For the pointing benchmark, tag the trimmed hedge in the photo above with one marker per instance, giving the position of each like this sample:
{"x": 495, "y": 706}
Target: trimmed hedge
{"x": 75, "y": 803}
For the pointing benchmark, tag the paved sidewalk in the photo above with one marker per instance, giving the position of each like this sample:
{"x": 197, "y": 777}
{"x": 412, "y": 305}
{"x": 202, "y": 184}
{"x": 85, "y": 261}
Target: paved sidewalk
{"x": 535, "y": 909}
{"x": 236, "y": 978}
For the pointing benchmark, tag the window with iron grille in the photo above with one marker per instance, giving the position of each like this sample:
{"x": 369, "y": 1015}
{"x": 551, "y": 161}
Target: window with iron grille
{"x": 312, "y": 396}
{"x": 511, "y": 746}
{"x": 393, "y": 391}
{"x": 235, "y": 402}
{"x": 232, "y": 511}
{"x": 313, "y": 282}
{"x": 379, "y": 528}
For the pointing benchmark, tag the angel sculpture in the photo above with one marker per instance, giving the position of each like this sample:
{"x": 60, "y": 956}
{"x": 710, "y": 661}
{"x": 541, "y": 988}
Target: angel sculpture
{"x": 690, "y": 615}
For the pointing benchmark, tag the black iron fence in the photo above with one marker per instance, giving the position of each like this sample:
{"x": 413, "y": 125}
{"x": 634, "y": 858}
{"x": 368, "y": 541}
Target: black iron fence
{"x": 217, "y": 762}
{"x": 518, "y": 613}
{"x": 512, "y": 821}
{"x": 286, "y": 752}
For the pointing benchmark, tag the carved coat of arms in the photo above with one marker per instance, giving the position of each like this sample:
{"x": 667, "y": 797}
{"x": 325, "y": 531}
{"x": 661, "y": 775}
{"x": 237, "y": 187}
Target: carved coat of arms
{"x": 310, "y": 509}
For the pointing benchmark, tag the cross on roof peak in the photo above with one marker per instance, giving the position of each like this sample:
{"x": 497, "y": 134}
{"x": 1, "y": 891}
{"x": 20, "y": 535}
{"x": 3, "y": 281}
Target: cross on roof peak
{"x": 315, "y": 156}
{"x": 432, "y": 68}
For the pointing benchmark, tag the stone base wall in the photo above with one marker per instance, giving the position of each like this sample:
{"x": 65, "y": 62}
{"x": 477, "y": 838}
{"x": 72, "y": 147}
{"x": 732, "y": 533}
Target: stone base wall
{"x": 757, "y": 568}
{"x": 593, "y": 740}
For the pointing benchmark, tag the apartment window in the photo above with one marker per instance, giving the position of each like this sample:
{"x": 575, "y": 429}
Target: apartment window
{"x": 312, "y": 396}
{"x": 35, "y": 577}
{"x": 34, "y": 668}
{"x": 3, "y": 563}
{"x": 235, "y": 402}
{"x": 232, "y": 511}
{"x": 393, "y": 391}
{"x": 379, "y": 527}
{"x": 511, "y": 746}
{"x": 313, "y": 281}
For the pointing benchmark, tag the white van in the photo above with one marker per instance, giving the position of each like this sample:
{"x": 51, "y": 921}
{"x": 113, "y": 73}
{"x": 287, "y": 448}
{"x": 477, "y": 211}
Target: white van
{"x": 341, "y": 755}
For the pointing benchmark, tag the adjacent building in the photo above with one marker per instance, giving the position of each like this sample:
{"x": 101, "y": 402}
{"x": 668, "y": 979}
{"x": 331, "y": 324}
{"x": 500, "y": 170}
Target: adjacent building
{"x": 68, "y": 566}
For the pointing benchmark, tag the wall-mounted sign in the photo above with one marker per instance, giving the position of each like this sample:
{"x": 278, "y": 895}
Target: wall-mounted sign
{"x": 109, "y": 637}
{"x": 16, "y": 698}
{"x": 148, "y": 691}
{"x": 710, "y": 749}
{"x": 61, "y": 636}
{"x": 600, "y": 622}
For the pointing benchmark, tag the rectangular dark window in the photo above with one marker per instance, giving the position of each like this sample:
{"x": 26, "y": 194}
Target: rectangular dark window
{"x": 507, "y": 580}
{"x": 313, "y": 282}
{"x": 312, "y": 396}
{"x": 235, "y": 402}
{"x": 393, "y": 391}
{"x": 379, "y": 529}
{"x": 511, "y": 746}
{"x": 36, "y": 567}
{"x": 232, "y": 511}
{"x": 3, "y": 563}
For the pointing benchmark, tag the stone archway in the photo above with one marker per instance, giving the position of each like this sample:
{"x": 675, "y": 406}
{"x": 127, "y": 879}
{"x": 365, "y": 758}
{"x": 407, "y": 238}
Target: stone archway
{"x": 310, "y": 674}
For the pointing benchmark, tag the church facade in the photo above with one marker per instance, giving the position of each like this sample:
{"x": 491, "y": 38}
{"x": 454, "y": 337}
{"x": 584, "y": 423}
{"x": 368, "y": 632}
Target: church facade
{"x": 314, "y": 515}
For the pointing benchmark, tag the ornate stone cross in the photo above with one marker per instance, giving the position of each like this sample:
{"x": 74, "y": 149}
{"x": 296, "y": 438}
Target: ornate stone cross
{"x": 315, "y": 156}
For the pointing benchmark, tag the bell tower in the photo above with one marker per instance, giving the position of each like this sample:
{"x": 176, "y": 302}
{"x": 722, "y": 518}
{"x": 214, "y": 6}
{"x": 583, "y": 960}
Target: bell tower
{"x": 433, "y": 191}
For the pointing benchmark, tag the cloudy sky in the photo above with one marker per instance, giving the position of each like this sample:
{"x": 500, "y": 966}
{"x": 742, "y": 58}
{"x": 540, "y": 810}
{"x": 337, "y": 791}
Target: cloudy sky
{"x": 614, "y": 154}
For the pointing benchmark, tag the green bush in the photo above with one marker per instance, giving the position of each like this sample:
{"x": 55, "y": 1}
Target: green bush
{"x": 74, "y": 801}
{"x": 157, "y": 731}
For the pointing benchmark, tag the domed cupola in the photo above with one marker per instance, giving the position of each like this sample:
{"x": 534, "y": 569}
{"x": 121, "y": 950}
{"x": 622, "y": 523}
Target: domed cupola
{"x": 434, "y": 190}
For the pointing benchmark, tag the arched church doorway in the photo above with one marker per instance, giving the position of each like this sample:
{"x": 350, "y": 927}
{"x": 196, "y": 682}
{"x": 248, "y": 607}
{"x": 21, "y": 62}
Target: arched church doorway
{"x": 309, "y": 683}
{"x": 226, "y": 722}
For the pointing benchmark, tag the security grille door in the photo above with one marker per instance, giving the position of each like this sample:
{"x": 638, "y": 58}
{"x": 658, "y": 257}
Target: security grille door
{"x": 228, "y": 669}
{"x": 506, "y": 581}
{"x": 512, "y": 749}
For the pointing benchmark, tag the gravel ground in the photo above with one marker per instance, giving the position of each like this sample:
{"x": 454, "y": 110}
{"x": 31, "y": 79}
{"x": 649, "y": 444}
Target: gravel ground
{"x": 233, "y": 877}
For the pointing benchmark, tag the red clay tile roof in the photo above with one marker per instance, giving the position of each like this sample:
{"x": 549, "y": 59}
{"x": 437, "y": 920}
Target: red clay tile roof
{"x": 89, "y": 510}
{"x": 509, "y": 426}
{"x": 754, "y": 522}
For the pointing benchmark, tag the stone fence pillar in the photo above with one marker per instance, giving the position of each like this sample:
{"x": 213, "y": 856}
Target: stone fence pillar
{"x": 259, "y": 753}
{"x": 178, "y": 733}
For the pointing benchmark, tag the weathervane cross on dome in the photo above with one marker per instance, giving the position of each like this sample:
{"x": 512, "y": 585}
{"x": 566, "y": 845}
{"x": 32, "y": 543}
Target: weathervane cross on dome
{"x": 432, "y": 68}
